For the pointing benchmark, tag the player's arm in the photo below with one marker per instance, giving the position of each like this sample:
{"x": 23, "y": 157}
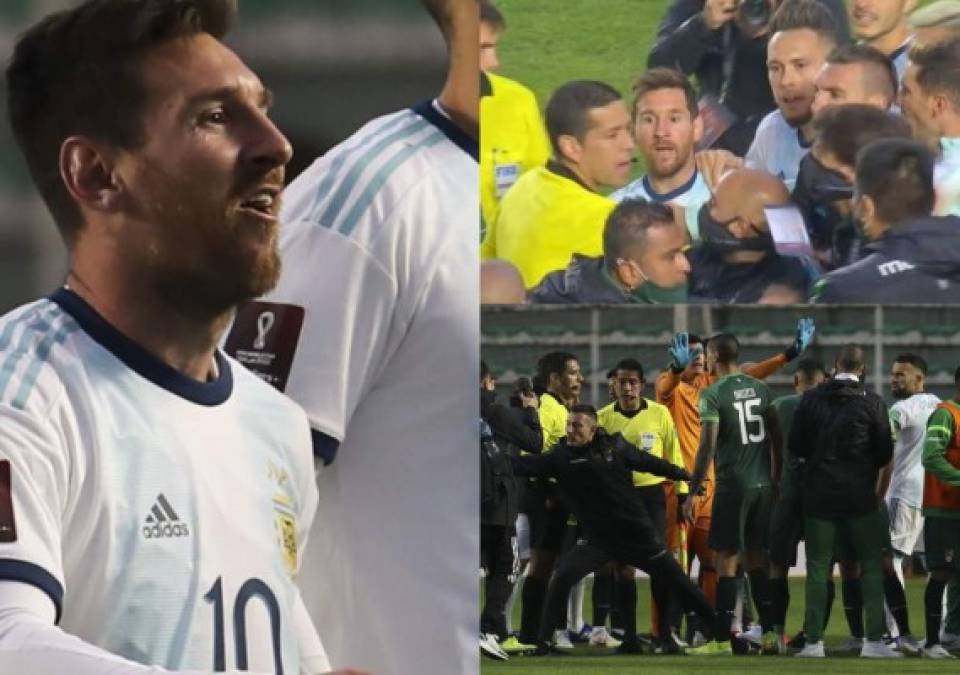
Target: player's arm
{"x": 804, "y": 335}
{"x": 671, "y": 452}
{"x": 534, "y": 466}
{"x": 647, "y": 463}
{"x": 709, "y": 433}
{"x": 775, "y": 441}
{"x": 940, "y": 430}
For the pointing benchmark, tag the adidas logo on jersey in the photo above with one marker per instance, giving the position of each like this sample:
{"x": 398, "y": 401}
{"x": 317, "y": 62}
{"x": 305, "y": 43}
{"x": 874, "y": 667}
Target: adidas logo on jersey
{"x": 163, "y": 521}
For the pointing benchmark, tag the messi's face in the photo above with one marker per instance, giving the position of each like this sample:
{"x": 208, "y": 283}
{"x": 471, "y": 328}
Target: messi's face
{"x": 203, "y": 190}
{"x": 665, "y": 132}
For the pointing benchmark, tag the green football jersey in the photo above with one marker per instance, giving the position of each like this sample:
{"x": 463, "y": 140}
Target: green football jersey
{"x": 785, "y": 407}
{"x": 737, "y": 403}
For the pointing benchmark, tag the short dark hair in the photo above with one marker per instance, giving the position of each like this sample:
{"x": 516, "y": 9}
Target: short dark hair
{"x": 630, "y": 364}
{"x": 808, "y": 368}
{"x": 938, "y": 68}
{"x": 490, "y": 15}
{"x": 628, "y": 224}
{"x": 693, "y": 338}
{"x": 877, "y": 61}
{"x": 568, "y": 110}
{"x": 553, "y": 363}
{"x": 727, "y": 347}
{"x": 914, "y": 360}
{"x": 77, "y": 72}
{"x": 484, "y": 369}
{"x": 805, "y": 14}
{"x": 846, "y": 129}
{"x": 585, "y": 409}
{"x": 612, "y": 372}
{"x": 851, "y": 358}
{"x": 664, "y": 78}
{"x": 897, "y": 174}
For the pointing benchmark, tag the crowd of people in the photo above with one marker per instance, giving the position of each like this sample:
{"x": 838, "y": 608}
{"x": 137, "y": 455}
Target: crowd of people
{"x": 711, "y": 467}
{"x": 817, "y": 160}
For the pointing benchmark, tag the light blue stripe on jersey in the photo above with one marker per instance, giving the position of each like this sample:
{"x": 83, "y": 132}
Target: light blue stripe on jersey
{"x": 382, "y": 176}
{"x": 42, "y": 353}
{"x": 43, "y": 322}
{"x": 353, "y": 175}
{"x": 335, "y": 166}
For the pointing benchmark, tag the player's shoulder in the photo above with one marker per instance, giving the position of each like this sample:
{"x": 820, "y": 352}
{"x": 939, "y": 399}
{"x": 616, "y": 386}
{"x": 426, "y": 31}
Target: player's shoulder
{"x": 262, "y": 399}
{"x": 633, "y": 190}
{"x": 607, "y": 410}
{"x": 412, "y": 151}
{"x": 38, "y": 357}
{"x": 772, "y": 125}
{"x": 657, "y": 408}
{"x": 786, "y": 400}
{"x": 512, "y": 88}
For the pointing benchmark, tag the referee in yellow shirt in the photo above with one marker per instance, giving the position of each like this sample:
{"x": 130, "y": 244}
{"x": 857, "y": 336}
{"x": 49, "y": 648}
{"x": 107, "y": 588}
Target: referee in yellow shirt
{"x": 649, "y": 426}
{"x": 556, "y": 210}
{"x": 513, "y": 139}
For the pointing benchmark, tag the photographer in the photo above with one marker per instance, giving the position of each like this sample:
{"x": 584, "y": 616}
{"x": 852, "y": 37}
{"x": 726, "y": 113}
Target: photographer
{"x": 724, "y": 44}
{"x": 504, "y": 431}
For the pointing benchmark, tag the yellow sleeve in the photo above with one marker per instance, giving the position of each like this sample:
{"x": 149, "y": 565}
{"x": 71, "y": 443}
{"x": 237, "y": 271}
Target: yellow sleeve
{"x": 671, "y": 449}
{"x": 488, "y": 247}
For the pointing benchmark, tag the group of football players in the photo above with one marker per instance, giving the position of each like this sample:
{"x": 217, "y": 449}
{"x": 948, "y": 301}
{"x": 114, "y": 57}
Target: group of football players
{"x": 712, "y": 468}
{"x": 844, "y": 188}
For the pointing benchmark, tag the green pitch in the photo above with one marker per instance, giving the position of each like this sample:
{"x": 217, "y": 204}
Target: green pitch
{"x": 587, "y": 660}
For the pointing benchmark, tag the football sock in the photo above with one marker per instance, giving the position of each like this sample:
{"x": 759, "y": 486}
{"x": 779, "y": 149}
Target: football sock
{"x": 512, "y": 601}
{"x": 534, "y": 593}
{"x": 727, "y": 588}
{"x": 897, "y": 602}
{"x": 779, "y": 602}
{"x": 853, "y": 606}
{"x": 602, "y": 591}
{"x": 575, "y": 607}
{"x": 933, "y": 608}
{"x": 760, "y": 587}
{"x": 627, "y": 602}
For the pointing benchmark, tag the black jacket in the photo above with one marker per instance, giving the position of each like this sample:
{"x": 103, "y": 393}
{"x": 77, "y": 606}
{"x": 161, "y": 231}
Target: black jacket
{"x": 597, "y": 485}
{"x": 685, "y": 42}
{"x": 714, "y": 280}
{"x": 582, "y": 282}
{"x": 840, "y": 438}
{"x": 914, "y": 263}
{"x": 515, "y": 429}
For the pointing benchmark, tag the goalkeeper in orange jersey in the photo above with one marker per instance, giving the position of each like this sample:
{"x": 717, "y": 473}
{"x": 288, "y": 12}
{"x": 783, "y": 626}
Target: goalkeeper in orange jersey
{"x": 678, "y": 387}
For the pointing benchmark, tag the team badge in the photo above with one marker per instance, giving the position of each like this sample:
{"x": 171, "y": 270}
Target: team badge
{"x": 284, "y": 516}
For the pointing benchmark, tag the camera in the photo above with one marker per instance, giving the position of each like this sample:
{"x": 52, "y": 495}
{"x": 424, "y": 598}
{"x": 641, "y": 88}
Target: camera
{"x": 753, "y": 16}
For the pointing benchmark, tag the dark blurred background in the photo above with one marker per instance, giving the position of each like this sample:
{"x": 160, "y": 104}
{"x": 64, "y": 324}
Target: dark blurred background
{"x": 332, "y": 65}
{"x": 512, "y": 339}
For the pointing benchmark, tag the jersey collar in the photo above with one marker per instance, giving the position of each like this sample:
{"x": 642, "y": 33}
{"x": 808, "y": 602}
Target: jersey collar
{"x": 455, "y": 134}
{"x": 672, "y": 194}
{"x": 632, "y": 413}
{"x": 143, "y": 362}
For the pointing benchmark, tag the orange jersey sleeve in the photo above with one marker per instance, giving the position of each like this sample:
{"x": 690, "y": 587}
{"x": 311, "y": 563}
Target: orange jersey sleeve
{"x": 765, "y": 369}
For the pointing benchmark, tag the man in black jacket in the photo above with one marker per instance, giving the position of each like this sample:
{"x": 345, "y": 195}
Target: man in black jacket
{"x": 511, "y": 430}
{"x": 841, "y": 440}
{"x": 593, "y": 472}
{"x": 714, "y": 40}
{"x": 912, "y": 257}
{"x": 643, "y": 262}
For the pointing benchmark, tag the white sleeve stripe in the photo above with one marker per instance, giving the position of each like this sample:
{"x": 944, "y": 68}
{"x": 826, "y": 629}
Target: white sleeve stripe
{"x": 41, "y": 322}
{"x": 352, "y": 177}
{"x": 323, "y": 190}
{"x": 380, "y": 178}
{"x": 42, "y": 353}
{"x": 29, "y": 573}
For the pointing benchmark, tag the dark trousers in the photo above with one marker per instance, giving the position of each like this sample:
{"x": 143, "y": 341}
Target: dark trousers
{"x": 498, "y": 555}
{"x": 655, "y": 560}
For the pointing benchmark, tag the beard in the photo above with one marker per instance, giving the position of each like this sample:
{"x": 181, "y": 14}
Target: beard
{"x": 205, "y": 256}
{"x": 670, "y": 166}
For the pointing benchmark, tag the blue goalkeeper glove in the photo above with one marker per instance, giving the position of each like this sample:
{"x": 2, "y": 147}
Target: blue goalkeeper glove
{"x": 680, "y": 352}
{"x": 805, "y": 332}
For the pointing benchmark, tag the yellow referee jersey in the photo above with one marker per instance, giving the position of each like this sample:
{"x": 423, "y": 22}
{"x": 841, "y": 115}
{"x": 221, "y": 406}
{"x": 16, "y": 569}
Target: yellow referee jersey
{"x": 543, "y": 220}
{"x": 553, "y": 420}
{"x": 651, "y": 429}
{"x": 512, "y": 138}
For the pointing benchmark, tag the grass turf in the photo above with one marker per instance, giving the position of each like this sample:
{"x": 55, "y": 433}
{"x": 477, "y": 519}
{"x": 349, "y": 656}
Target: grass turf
{"x": 585, "y": 660}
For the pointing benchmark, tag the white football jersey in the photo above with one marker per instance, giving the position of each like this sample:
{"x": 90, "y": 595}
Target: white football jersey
{"x": 900, "y": 58}
{"x": 777, "y": 149}
{"x": 164, "y": 517}
{"x": 691, "y": 196}
{"x": 908, "y": 419}
{"x": 946, "y": 178}
{"x": 379, "y": 245}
